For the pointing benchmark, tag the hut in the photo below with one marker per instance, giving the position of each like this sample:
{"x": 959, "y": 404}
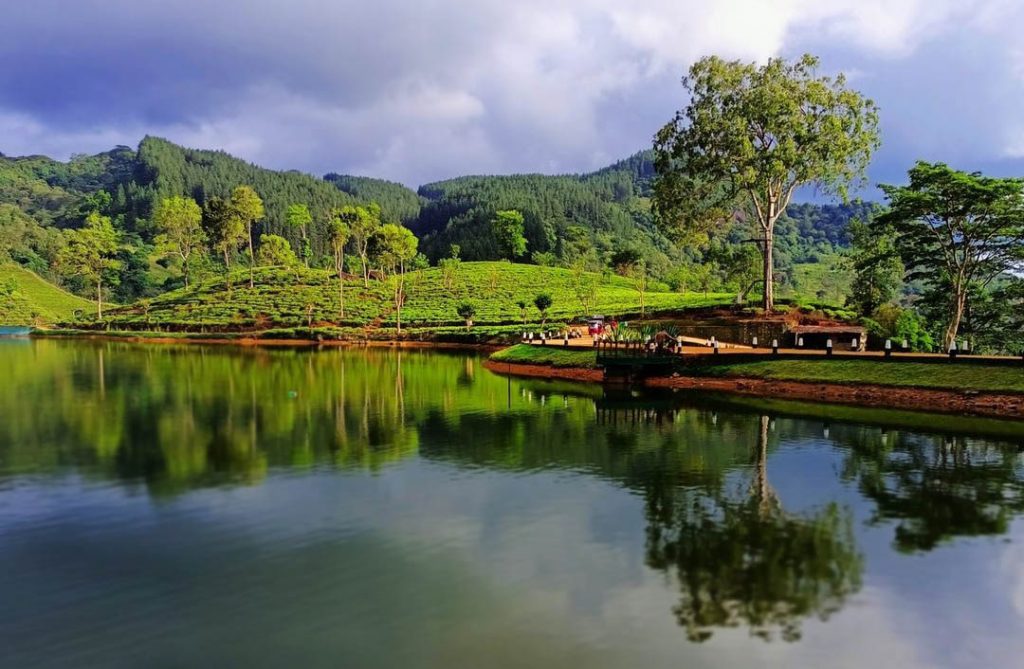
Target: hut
{"x": 847, "y": 337}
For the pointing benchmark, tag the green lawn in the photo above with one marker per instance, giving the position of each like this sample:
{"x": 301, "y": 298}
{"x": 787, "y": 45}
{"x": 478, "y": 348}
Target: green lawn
{"x": 552, "y": 355}
{"x": 281, "y": 298}
{"x": 958, "y": 376}
{"x": 36, "y": 300}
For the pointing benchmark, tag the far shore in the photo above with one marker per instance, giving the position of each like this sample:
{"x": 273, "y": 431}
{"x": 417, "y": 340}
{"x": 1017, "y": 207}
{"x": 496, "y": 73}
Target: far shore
{"x": 997, "y": 404}
{"x": 253, "y": 340}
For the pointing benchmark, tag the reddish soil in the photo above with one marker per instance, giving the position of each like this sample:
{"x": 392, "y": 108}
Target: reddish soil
{"x": 1000, "y": 405}
{"x": 544, "y": 371}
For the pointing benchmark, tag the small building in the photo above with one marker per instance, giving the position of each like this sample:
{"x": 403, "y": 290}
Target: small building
{"x": 815, "y": 337}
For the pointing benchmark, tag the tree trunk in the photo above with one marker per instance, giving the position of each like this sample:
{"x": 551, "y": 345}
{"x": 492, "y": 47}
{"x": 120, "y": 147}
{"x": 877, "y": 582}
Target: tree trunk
{"x": 252, "y": 259}
{"x": 305, "y": 246}
{"x": 399, "y": 296}
{"x": 184, "y": 265}
{"x": 768, "y": 301}
{"x": 99, "y": 300}
{"x": 959, "y": 302}
{"x": 760, "y": 488}
{"x": 366, "y": 272}
{"x": 338, "y": 265}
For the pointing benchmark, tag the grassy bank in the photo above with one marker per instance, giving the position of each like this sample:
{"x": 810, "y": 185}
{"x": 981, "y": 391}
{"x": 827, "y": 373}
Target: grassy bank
{"x": 286, "y": 298}
{"x": 958, "y": 376}
{"x": 34, "y": 300}
{"x": 551, "y": 356}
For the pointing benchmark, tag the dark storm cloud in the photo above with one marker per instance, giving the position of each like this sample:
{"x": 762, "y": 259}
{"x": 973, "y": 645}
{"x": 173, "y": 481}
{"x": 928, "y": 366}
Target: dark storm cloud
{"x": 417, "y": 91}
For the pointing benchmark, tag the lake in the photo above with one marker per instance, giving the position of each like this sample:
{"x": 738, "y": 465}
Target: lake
{"x": 186, "y": 506}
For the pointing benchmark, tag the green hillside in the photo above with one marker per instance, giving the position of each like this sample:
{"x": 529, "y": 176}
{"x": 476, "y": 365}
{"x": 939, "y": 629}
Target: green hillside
{"x": 602, "y": 218}
{"x": 26, "y": 299}
{"x": 282, "y": 298}
{"x": 608, "y": 209}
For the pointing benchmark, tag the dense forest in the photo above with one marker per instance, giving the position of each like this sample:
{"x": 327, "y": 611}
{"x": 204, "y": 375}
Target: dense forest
{"x": 603, "y": 216}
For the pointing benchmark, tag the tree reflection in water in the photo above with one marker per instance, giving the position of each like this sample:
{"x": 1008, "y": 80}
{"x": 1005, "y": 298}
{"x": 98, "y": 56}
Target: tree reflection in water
{"x": 743, "y": 560}
{"x": 178, "y": 418}
{"x": 935, "y": 487}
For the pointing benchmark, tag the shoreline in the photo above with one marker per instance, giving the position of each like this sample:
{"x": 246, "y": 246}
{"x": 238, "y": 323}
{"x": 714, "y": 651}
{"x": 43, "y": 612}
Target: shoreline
{"x": 976, "y": 403}
{"x": 256, "y": 342}
{"x": 995, "y": 404}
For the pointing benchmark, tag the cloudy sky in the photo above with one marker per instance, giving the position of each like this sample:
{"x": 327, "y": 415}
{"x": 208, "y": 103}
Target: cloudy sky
{"x": 419, "y": 90}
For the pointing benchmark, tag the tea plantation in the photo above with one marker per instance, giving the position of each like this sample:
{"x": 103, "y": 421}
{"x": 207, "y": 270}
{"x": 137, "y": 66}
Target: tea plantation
{"x": 296, "y": 298}
{"x": 27, "y": 299}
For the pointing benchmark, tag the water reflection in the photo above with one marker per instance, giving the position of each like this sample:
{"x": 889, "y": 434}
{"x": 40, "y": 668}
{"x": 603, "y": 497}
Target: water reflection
{"x": 745, "y": 560}
{"x": 736, "y": 549}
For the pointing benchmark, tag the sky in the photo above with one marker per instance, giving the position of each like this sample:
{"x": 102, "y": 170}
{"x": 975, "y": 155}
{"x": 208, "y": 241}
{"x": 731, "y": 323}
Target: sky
{"x": 421, "y": 90}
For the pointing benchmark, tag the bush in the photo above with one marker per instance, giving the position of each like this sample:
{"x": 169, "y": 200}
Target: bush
{"x": 466, "y": 311}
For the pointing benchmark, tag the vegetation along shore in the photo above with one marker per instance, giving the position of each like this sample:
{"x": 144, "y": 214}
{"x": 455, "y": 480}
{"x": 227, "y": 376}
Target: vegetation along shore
{"x": 698, "y": 237}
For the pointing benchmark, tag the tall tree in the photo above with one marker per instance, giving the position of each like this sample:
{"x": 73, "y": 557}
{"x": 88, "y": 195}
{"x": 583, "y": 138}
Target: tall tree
{"x": 179, "y": 220}
{"x": 756, "y": 134}
{"x": 398, "y": 248}
{"x": 878, "y": 268}
{"x": 956, "y": 227}
{"x": 247, "y": 207}
{"x": 297, "y": 216}
{"x": 363, "y": 223}
{"x": 340, "y": 234}
{"x": 225, "y": 231}
{"x": 91, "y": 254}
{"x": 508, "y": 227}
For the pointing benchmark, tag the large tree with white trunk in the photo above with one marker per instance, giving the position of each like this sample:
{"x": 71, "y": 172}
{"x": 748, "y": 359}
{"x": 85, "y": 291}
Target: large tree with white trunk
{"x": 750, "y": 137}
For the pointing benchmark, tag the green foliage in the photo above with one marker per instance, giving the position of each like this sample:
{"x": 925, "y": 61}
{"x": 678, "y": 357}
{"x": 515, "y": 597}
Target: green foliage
{"x": 543, "y": 302}
{"x": 276, "y": 251}
{"x": 298, "y": 218}
{"x": 507, "y": 227}
{"x": 549, "y": 356}
{"x": 957, "y": 232}
{"x": 899, "y": 324}
{"x": 466, "y": 311}
{"x": 280, "y": 298}
{"x": 959, "y": 376}
{"x": 91, "y": 255}
{"x": 450, "y": 268}
{"x": 595, "y": 215}
{"x": 363, "y": 224}
{"x": 30, "y": 299}
{"x": 757, "y": 134}
{"x": 179, "y": 222}
{"x": 877, "y": 265}
{"x": 398, "y": 203}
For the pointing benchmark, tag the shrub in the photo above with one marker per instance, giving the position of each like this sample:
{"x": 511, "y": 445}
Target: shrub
{"x": 466, "y": 311}
{"x": 543, "y": 302}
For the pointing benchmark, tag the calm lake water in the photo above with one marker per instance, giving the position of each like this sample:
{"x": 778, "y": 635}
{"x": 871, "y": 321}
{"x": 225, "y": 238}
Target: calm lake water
{"x": 221, "y": 507}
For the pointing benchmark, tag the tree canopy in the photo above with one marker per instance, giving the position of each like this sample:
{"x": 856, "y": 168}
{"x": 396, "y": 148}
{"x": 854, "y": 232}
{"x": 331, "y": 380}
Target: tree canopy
{"x": 956, "y": 231}
{"x": 754, "y": 134}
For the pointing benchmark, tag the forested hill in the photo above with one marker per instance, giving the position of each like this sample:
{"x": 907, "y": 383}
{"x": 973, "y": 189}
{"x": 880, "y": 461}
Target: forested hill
{"x": 602, "y": 214}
